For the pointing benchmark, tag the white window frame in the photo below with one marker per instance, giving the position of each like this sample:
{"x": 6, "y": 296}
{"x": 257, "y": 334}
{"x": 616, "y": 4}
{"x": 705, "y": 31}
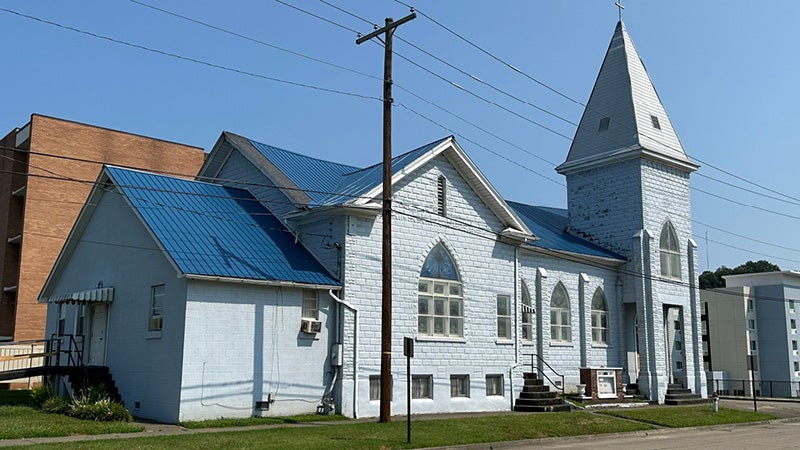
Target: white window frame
{"x": 793, "y": 324}
{"x": 421, "y": 387}
{"x": 670, "y": 253}
{"x": 310, "y": 304}
{"x": 794, "y": 347}
{"x": 495, "y": 385}
{"x": 157, "y": 295}
{"x": 749, "y": 304}
{"x": 527, "y": 314}
{"x": 791, "y": 306}
{"x": 753, "y": 346}
{"x": 600, "y": 328}
{"x": 440, "y": 308}
{"x": 560, "y": 318}
{"x": 459, "y": 386}
{"x": 504, "y": 322}
{"x": 797, "y": 368}
{"x": 751, "y": 324}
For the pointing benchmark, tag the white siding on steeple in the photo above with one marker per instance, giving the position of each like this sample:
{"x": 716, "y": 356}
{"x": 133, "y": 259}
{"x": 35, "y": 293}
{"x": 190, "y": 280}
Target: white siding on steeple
{"x": 625, "y": 95}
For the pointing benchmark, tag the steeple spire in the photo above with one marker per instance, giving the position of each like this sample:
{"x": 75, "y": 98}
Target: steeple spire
{"x": 624, "y": 116}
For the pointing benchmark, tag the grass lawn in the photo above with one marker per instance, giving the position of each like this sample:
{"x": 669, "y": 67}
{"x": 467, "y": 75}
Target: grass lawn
{"x": 24, "y": 422}
{"x": 425, "y": 433}
{"x": 250, "y": 421}
{"x": 688, "y": 416}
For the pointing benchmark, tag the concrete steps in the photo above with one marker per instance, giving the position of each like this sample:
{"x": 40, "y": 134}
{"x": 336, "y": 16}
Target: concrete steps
{"x": 677, "y": 395}
{"x": 536, "y": 397}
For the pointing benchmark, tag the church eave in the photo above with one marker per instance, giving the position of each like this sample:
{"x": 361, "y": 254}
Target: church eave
{"x": 616, "y": 156}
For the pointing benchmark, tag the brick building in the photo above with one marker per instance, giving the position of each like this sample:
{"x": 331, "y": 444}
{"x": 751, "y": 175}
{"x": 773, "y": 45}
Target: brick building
{"x": 47, "y": 169}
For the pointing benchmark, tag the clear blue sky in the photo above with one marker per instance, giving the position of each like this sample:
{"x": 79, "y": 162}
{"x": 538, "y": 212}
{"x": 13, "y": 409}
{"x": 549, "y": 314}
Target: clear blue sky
{"x": 726, "y": 72}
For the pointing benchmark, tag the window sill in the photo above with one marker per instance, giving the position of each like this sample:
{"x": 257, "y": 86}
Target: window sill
{"x": 600, "y": 345}
{"x": 504, "y": 342}
{"x": 459, "y": 340}
{"x": 153, "y": 335}
{"x": 562, "y": 344}
{"x": 529, "y": 343}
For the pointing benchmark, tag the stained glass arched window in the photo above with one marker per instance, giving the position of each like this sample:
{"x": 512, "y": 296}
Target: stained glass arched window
{"x": 440, "y": 305}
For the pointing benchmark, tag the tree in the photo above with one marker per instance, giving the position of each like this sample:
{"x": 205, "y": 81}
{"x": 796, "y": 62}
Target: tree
{"x": 711, "y": 280}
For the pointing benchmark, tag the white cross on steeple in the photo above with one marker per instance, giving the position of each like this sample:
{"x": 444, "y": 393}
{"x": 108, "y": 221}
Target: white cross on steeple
{"x": 619, "y": 5}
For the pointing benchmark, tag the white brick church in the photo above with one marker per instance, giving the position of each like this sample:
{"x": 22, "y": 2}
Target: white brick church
{"x": 257, "y": 290}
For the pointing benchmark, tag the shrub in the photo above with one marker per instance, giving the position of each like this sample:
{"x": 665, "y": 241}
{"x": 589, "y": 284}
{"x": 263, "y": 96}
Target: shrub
{"x": 55, "y": 405}
{"x": 42, "y": 393}
{"x": 104, "y": 409}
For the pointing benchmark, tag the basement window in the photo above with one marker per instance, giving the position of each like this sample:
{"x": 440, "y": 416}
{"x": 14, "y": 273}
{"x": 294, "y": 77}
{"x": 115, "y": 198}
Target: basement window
{"x": 656, "y": 125}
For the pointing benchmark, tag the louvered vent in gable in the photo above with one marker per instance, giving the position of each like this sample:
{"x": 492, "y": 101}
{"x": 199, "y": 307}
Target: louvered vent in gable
{"x": 604, "y": 122}
{"x": 656, "y": 125}
{"x": 441, "y": 196}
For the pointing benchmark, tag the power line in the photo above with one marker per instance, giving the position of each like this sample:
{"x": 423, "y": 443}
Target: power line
{"x": 783, "y": 247}
{"x": 481, "y": 129}
{"x": 257, "y": 41}
{"x": 585, "y": 106}
{"x": 190, "y": 59}
{"x": 312, "y": 204}
{"x": 447, "y": 81}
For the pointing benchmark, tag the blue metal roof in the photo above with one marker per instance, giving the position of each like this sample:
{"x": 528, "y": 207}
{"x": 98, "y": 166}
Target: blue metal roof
{"x": 317, "y": 177}
{"x": 214, "y": 230}
{"x": 550, "y": 226}
{"x": 330, "y": 183}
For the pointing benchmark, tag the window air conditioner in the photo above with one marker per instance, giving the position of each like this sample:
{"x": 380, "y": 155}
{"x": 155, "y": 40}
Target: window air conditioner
{"x": 310, "y": 326}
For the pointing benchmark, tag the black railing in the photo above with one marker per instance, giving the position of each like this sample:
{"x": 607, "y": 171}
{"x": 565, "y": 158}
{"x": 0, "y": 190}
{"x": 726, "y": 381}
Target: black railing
{"x": 764, "y": 388}
{"x": 71, "y": 345}
{"x": 536, "y": 369}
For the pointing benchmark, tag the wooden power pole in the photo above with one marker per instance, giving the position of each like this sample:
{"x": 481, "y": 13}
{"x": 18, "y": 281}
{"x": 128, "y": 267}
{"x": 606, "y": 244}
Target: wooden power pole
{"x": 386, "y": 273}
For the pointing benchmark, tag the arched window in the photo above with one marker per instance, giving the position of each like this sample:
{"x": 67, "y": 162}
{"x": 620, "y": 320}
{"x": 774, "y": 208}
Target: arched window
{"x": 670, "y": 252}
{"x": 599, "y": 318}
{"x": 560, "y": 316}
{"x": 440, "y": 305}
{"x": 527, "y": 314}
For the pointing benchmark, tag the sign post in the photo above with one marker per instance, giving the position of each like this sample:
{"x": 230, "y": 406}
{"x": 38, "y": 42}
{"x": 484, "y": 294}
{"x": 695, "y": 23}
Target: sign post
{"x": 408, "y": 352}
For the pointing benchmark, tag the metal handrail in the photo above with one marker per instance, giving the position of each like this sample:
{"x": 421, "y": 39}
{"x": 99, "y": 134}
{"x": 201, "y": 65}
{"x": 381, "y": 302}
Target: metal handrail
{"x": 74, "y": 350}
{"x": 544, "y": 375}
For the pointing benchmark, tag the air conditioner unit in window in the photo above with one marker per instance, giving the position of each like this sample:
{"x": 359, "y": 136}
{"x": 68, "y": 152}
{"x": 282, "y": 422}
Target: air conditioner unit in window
{"x": 310, "y": 326}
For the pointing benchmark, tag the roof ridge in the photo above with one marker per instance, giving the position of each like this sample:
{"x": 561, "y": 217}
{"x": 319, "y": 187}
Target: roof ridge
{"x": 299, "y": 154}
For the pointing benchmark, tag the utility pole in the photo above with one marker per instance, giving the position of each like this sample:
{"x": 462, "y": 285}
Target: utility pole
{"x": 386, "y": 273}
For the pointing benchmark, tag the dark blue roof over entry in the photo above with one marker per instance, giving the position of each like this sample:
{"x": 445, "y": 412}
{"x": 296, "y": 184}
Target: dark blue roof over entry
{"x": 550, "y": 226}
{"x": 213, "y": 230}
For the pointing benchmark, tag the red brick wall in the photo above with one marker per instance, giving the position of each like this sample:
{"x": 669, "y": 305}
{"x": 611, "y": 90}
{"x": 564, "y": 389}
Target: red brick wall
{"x": 52, "y": 205}
{"x": 8, "y": 259}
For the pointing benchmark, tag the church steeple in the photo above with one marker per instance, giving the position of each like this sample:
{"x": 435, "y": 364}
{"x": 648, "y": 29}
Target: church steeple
{"x": 624, "y": 116}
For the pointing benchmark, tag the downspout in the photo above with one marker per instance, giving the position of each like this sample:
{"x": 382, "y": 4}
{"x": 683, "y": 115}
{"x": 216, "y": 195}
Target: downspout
{"x": 355, "y": 348}
{"x": 517, "y": 311}
{"x": 511, "y": 381}
{"x": 516, "y": 325}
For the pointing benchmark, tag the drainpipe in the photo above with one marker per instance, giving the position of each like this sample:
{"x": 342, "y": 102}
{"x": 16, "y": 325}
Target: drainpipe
{"x": 355, "y": 348}
{"x": 517, "y": 311}
{"x": 511, "y": 382}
